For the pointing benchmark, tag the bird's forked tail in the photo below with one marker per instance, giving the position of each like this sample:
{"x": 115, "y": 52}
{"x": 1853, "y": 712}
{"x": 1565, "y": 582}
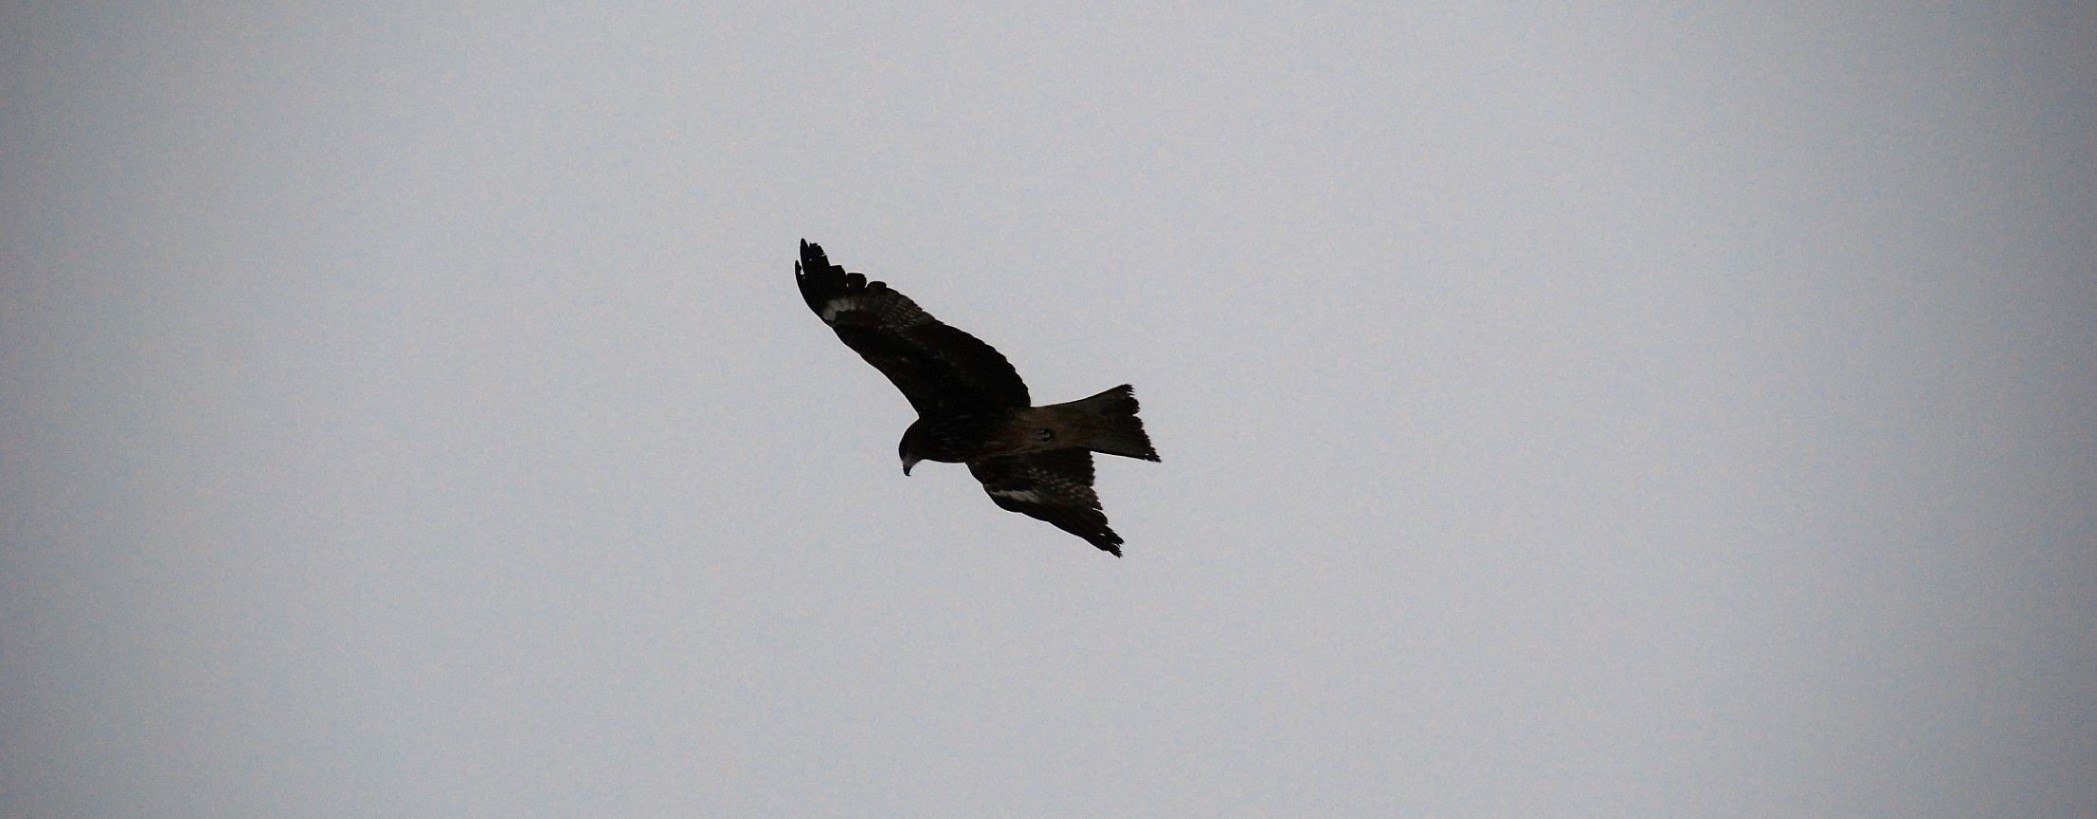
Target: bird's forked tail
{"x": 1117, "y": 429}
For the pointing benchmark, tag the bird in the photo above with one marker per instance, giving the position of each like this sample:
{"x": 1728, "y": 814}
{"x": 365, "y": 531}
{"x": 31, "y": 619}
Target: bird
{"x": 973, "y": 408}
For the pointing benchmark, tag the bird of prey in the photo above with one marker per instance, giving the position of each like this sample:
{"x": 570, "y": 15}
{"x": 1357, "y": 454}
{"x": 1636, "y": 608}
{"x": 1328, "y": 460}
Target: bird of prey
{"x": 972, "y": 407}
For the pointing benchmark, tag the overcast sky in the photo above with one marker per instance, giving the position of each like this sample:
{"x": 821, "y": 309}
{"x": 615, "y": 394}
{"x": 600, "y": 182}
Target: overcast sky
{"x": 1666, "y": 411}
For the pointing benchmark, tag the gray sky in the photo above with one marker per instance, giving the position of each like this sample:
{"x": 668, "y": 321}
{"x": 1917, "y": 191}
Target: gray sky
{"x": 408, "y": 411}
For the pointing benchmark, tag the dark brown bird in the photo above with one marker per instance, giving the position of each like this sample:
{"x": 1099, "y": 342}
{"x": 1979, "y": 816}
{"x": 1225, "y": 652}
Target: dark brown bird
{"x": 973, "y": 408}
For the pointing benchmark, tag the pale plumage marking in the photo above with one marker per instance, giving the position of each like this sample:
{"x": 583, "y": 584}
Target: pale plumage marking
{"x": 837, "y": 306}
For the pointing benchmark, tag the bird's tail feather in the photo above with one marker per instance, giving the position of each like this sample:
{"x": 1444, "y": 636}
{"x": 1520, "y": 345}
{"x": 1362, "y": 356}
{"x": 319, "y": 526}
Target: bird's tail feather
{"x": 1120, "y": 432}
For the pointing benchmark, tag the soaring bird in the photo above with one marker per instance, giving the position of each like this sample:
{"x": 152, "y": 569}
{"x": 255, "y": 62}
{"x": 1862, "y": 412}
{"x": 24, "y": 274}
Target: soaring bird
{"x": 973, "y": 408}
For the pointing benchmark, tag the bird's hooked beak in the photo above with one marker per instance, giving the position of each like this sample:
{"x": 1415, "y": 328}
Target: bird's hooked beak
{"x": 908, "y": 463}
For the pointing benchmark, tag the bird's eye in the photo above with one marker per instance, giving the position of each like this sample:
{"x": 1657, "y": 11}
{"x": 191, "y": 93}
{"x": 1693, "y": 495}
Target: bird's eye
{"x": 1044, "y": 436}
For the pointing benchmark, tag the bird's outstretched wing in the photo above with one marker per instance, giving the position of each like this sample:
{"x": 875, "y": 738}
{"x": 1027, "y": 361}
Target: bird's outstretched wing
{"x": 1055, "y": 486}
{"x": 936, "y": 366}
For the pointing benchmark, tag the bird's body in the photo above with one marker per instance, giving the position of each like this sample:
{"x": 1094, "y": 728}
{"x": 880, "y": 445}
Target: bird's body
{"x": 1089, "y": 424}
{"x": 974, "y": 409}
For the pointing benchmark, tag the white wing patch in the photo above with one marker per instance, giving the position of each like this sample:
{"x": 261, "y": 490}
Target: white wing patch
{"x": 895, "y": 311}
{"x": 838, "y": 305}
{"x": 1020, "y": 495}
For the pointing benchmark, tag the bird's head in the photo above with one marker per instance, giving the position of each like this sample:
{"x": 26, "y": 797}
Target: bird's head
{"x": 908, "y": 448}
